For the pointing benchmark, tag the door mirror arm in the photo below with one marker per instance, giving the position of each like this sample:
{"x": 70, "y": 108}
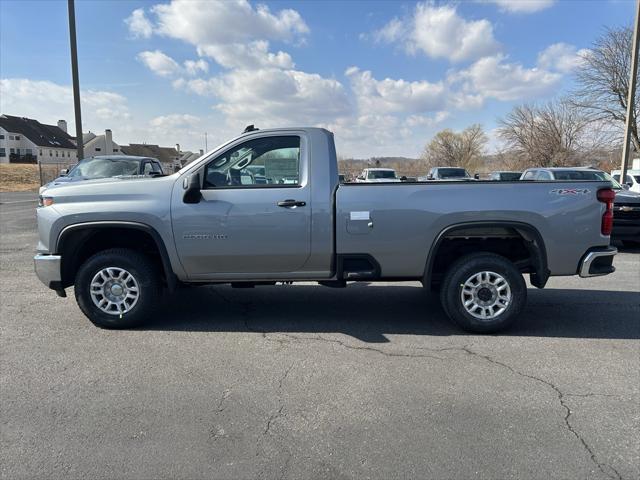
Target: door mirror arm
{"x": 192, "y": 187}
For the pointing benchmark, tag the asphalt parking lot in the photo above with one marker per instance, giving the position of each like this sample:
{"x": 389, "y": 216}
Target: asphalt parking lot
{"x": 304, "y": 381}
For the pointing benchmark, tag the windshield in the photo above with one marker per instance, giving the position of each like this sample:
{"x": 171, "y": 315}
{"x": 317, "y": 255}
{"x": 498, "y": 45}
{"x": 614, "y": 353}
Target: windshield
{"x": 453, "y": 173}
{"x": 104, "y": 168}
{"x": 375, "y": 174}
{"x": 510, "y": 176}
{"x": 586, "y": 175}
{"x": 629, "y": 178}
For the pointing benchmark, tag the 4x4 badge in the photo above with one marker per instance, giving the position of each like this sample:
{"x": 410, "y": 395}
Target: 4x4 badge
{"x": 570, "y": 191}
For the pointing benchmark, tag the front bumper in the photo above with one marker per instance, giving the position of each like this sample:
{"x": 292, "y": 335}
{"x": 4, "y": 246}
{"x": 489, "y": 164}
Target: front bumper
{"x": 597, "y": 262}
{"x": 48, "y": 270}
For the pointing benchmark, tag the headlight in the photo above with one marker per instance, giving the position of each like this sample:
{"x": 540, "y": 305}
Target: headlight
{"x": 45, "y": 201}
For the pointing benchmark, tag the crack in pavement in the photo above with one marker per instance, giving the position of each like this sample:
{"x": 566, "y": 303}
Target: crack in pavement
{"x": 217, "y": 431}
{"x": 601, "y": 466}
{"x": 278, "y": 414}
{"x": 606, "y": 469}
{"x": 272, "y": 418}
{"x": 296, "y": 338}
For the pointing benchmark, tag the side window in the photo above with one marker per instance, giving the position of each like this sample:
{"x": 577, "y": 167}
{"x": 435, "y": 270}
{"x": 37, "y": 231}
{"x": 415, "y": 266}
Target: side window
{"x": 267, "y": 161}
{"x": 530, "y": 175}
{"x": 542, "y": 175}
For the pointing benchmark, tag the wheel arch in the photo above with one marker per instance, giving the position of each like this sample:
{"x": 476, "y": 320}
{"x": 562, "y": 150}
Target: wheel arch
{"x": 72, "y": 236}
{"x": 530, "y": 236}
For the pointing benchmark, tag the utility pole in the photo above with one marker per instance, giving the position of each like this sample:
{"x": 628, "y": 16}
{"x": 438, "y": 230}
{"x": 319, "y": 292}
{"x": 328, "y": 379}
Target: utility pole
{"x": 76, "y": 80}
{"x": 626, "y": 147}
{"x": 206, "y": 147}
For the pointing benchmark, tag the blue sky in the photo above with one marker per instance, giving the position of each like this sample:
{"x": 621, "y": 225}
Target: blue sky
{"x": 384, "y": 76}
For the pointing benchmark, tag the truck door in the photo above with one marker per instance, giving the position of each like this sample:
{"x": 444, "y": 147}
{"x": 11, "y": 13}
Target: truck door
{"x": 255, "y": 213}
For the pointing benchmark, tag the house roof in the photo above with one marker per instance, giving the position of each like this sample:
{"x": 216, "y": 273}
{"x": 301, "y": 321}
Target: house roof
{"x": 188, "y": 157}
{"x": 164, "y": 154}
{"x": 42, "y": 135}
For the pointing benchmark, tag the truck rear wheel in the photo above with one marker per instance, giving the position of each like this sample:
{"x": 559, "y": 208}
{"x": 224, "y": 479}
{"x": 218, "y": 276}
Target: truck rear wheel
{"x": 117, "y": 288}
{"x": 483, "y": 292}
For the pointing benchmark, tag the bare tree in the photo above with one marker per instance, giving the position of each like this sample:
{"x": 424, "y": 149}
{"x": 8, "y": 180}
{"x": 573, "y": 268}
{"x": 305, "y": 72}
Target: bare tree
{"x": 462, "y": 149}
{"x": 554, "y": 134}
{"x": 603, "y": 79}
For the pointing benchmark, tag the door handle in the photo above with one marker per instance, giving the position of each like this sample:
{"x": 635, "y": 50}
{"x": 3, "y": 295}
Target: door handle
{"x": 291, "y": 203}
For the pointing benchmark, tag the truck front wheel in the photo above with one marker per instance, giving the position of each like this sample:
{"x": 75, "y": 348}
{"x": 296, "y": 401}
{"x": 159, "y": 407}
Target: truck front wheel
{"x": 117, "y": 288}
{"x": 483, "y": 292}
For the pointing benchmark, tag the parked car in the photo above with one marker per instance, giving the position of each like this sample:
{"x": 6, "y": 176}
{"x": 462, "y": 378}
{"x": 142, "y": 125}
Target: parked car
{"x": 632, "y": 180}
{"x": 120, "y": 242}
{"x": 377, "y": 175}
{"x": 505, "y": 176}
{"x": 106, "y": 166}
{"x": 447, "y": 173}
{"x": 626, "y": 205}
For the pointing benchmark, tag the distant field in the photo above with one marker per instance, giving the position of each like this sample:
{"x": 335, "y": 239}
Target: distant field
{"x": 15, "y": 177}
{"x": 18, "y": 178}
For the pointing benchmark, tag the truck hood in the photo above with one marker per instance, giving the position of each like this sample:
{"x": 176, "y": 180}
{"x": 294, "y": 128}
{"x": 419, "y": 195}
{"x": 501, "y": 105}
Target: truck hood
{"x": 627, "y": 196}
{"x": 64, "y": 183}
{"x": 103, "y": 188}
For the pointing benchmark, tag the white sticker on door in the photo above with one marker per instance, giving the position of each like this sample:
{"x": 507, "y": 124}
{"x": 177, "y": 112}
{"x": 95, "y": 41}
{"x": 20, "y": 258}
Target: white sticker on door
{"x": 359, "y": 215}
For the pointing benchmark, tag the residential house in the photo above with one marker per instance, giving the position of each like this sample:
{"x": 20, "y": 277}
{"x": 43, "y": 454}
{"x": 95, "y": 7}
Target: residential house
{"x": 24, "y": 140}
{"x": 166, "y": 155}
{"x": 95, "y": 145}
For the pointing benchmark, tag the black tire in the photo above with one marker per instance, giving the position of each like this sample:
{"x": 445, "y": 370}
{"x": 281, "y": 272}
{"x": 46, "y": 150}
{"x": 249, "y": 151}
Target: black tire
{"x": 139, "y": 266}
{"x": 461, "y": 271}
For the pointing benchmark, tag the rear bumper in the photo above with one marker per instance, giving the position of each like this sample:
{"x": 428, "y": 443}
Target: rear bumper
{"x": 48, "y": 270}
{"x": 597, "y": 261}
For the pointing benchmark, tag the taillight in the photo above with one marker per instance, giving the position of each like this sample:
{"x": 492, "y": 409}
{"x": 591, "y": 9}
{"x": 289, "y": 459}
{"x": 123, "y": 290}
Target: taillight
{"x": 607, "y": 196}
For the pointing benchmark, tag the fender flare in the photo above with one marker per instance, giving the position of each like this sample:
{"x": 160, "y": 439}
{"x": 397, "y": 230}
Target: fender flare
{"x": 172, "y": 280}
{"x": 533, "y": 241}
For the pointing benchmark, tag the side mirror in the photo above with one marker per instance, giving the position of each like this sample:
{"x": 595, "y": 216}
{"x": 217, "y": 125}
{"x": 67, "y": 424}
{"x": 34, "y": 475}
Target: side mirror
{"x": 476, "y": 176}
{"x": 360, "y": 177}
{"x": 429, "y": 177}
{"x": 626, "y": 186}
{"x": 192, "y": 189}
{"x": 64, "y": 172}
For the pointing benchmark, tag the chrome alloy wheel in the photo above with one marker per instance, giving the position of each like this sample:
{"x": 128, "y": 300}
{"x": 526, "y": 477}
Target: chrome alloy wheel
{"x": 485, "y": 295}
{"x": 114, "y": 290}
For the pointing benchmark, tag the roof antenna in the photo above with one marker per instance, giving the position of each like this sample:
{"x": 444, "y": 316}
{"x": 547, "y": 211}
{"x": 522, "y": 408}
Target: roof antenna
{"x": 250, "y": 128}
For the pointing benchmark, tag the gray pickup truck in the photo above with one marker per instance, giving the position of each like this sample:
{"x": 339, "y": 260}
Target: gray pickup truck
{"x": 123, "y": 242}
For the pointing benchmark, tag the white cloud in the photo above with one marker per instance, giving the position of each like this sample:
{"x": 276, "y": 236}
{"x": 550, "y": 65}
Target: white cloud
{"x": 139, "y": 25}
{"x": 193, "y": 67}
{"x": 274, "y": 97}
{"x": 246, "y": 55}
{"x": 48, "y": 102}
{"x": 439, "y": 32}
{"x": 522, "y": 6}
{"x": 232, "y": 32}
{"x": 389, "y": 95}
{"x": 159, "y": 63}
{"x": 225, "y": 21}
{"x": 175, "y": 121}
{"x": 163, "y": 65}
{"x": 561, "y": 57}
{"x": 493, "y": 77}
{"x": 391, "y": 32}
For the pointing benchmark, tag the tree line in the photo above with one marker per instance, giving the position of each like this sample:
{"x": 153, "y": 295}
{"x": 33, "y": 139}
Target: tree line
{"x": 584, "y": 127}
